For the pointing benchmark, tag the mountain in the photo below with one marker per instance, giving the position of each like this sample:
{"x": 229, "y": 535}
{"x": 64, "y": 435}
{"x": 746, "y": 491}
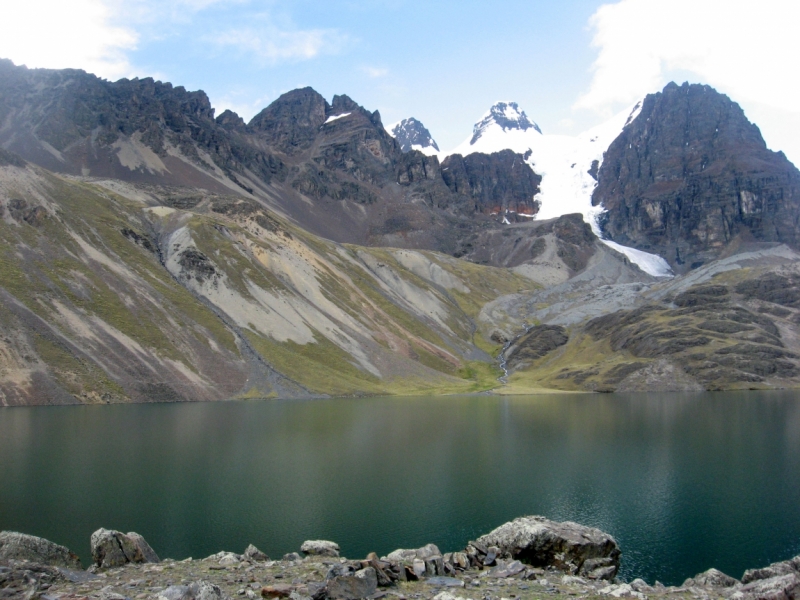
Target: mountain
{"x": 691, "y": 175}
{"x": 567, "y": 166}
{"x": 330, "y": 168}
{"x": 412, "y": 135}
{"x": 151, "y": 250}
{"x": 114, "y": 292}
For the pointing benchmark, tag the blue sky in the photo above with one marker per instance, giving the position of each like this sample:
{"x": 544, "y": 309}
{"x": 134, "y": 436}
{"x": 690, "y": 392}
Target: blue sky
{"x": 444, "y": 63}
{"x": 569, "y": 64}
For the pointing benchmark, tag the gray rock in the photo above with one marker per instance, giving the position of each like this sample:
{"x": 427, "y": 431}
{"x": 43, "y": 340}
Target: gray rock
{"x": 320, "y": 548}
{"x": 254, "y": 554}
{"x": 114, "y": 549}
{"x": 19, "y": 546}
{"x": 419, "y": 567}
{"x": 434, "y": 565}
{"x": 504, "y": 569}
{"x": 175, "y": 592}
{"x": 598, "y": 568}
{"x": 149, "y": 554}
{"x": 711, "y": 578}
{"x": 460, "y": 561}
{"x": 785, "y": 567}
{"x": 566, "y": 546}
{"x": 784, "y": 587}
{"x": 352, "y": 586}
{"x": 292, "y": 556}
{"x": 407, "y": 556}
{"x": 204, "y": 590}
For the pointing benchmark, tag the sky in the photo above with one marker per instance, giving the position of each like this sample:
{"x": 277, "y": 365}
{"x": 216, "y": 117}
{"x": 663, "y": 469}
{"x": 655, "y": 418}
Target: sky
{"x": 570, "y": 64}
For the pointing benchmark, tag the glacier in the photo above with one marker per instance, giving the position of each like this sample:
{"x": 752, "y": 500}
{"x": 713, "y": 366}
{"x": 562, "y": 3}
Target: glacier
{"x": 563, "y": 162}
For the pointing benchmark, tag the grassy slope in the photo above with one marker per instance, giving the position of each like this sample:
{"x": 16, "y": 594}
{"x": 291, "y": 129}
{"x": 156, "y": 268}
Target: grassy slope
{"x": 117, "y": 319}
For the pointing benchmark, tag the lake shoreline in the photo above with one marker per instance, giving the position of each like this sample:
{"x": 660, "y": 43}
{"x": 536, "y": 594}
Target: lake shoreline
{"x": 126, "y": 568}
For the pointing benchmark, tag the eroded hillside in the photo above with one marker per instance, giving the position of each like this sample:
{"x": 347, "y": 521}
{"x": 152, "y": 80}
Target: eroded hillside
{"x": 121, "y": 292}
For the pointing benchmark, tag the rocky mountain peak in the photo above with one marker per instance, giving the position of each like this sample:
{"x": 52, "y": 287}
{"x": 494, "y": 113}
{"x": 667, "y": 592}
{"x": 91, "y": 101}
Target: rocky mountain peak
{"x": 506, "y": 115}
{"x": 291, "y": 122}
{"x": 230, "y": 120}
{"x": 690, "y": 174}
{"x": 413, "y": 135}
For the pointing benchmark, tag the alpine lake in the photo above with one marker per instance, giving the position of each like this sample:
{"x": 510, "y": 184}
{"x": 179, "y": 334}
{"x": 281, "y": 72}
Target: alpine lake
{"x": 683, "y": 481}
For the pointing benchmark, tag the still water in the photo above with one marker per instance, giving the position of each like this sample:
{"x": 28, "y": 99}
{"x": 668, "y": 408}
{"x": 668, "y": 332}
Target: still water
{"x": 684, "y": 482}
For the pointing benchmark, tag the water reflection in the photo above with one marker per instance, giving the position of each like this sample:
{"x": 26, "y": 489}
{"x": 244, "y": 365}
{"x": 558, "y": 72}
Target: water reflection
{"x": 683, "y": 481}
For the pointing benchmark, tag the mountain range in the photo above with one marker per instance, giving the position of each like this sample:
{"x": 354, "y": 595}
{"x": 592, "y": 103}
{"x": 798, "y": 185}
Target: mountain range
{"x": 152, "y": 250}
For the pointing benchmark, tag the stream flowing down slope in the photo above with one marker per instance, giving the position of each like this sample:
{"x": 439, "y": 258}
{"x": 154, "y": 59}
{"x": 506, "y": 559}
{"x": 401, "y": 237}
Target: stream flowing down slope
{"x": 113, "y": 293}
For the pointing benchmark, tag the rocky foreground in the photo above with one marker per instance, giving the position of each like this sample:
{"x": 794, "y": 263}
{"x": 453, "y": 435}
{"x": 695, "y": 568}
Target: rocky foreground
{"x": 530, "y": 557}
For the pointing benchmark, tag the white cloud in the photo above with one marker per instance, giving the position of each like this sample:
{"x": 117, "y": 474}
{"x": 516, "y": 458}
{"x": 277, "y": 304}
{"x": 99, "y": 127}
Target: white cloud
{"x": 745, "y": 48}
{"x": 268, "y": 44}
{"x": 58, "y": 34}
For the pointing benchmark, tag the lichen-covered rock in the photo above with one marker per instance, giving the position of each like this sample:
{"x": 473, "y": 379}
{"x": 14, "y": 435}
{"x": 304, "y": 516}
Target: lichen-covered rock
{"x": 320, "y": 548}
{"x": 114, "y": 549}
{"x": 19, "y": 546}
{"x": 565, "y": 546}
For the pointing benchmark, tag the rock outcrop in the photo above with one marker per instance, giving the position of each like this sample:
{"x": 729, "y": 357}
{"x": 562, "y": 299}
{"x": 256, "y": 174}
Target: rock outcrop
{"x": 114, "y": 549}
{"x": 19, "y": 546}
{"x": 501, "y": 183}
{"x": 567, "y": 546}
{"x": 690, "y": 174}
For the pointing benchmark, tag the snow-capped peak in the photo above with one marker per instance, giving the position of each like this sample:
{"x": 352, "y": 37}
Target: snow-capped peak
{"x": 565, "y": 164}
{"x": 412, "y": 135}
{"x": 505, "y": 115}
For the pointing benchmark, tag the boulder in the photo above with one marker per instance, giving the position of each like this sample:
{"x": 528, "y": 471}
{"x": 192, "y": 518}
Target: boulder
{"x": 149, "y": 554}
{"x": 19, "y": 546}
{"x": 254, "y": 554}
{"x": 114, "y": 549}
{"x": 711, "y": 578}
{"x": 351, "y": 586}
{"x": 320, "y": 548}
{"x": 566, "y": 546}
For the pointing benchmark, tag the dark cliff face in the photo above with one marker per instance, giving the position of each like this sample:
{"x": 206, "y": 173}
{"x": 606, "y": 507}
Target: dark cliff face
{"x": 81, "y": 117}
{"x": 291, "y": 123}
{"x": 494, "y": 184}
{"x": 690, "y": 174}
{"x": 331, "y": 167}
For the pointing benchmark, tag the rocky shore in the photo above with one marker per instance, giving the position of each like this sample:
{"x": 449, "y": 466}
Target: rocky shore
{"x": 528, "y": 558}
